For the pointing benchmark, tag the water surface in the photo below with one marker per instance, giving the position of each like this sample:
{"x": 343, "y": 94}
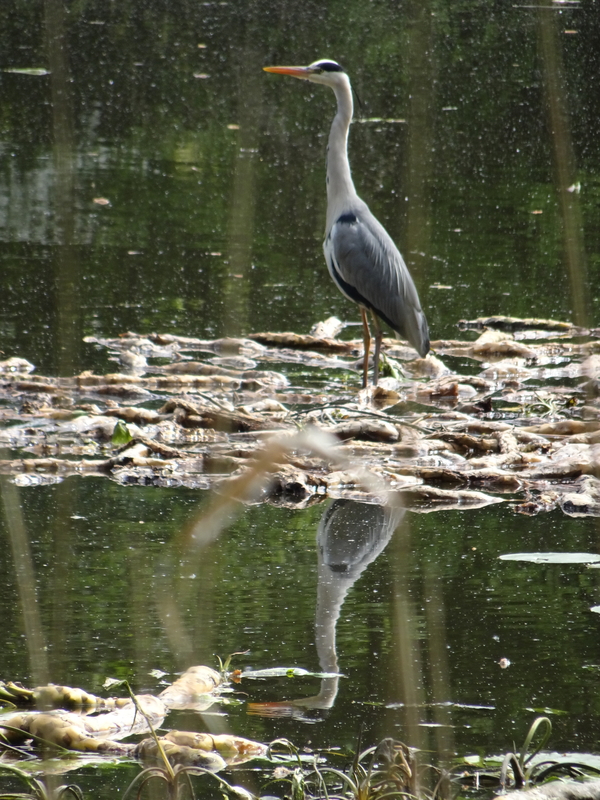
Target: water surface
{"x": 155, "y": 179}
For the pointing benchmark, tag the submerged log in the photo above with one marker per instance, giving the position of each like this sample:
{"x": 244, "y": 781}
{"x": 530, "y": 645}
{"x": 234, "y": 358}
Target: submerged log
{"x": 192, "y": 416}
{"x": 516, "y": 324}
{"x": 366, "y": 430}
{"x": 303, "y": 342}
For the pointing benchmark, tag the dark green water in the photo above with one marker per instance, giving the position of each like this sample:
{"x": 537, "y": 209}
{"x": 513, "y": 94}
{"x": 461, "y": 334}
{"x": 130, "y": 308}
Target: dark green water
{"x": 112, "y": 602}
{"x": 214, "y": 176}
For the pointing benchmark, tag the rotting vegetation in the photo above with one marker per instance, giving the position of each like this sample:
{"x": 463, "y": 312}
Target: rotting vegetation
{"x": 97, "y": 725}
{"x": 512, "y": 414}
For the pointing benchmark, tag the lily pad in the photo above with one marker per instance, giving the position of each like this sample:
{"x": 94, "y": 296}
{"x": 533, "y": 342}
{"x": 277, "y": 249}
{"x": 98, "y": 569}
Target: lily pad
{"x": 546, "y": 711}
{"x": 553, "y": 558}
{"x": 287, "y": 672}
{"x": 27, "y": 70}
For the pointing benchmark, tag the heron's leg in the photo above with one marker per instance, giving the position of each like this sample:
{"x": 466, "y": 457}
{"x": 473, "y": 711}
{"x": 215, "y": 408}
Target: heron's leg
{"x": 378, "y": 338}
{"x": 367, "y": 344}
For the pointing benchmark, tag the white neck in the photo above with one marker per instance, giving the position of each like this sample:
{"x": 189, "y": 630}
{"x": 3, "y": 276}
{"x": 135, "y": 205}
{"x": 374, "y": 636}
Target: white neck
{"x": 339, "y": 179}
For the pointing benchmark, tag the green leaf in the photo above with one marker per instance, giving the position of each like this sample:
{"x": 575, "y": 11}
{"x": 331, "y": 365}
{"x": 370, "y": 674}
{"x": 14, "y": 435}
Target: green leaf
{"x": 121, "y": 434}
{"x": 390, "y": 368}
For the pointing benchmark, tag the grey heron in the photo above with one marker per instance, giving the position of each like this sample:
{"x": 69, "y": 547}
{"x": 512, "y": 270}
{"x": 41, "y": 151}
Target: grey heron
{"x": 362, "y": 259}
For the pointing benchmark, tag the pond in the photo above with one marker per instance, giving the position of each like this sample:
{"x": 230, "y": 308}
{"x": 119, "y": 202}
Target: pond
{"x": 154, "y": 179}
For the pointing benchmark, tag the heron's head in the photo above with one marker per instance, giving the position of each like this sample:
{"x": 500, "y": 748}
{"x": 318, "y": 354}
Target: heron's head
{"x": 322, "y": 71}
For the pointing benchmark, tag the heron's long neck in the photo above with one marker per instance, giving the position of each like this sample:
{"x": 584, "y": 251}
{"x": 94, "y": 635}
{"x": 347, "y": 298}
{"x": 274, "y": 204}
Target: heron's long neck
{"x": 339, "y": 179}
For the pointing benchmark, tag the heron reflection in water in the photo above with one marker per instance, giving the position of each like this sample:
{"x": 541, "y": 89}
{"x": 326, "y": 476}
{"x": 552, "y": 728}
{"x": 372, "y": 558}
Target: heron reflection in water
{"x": 350, "y": 536}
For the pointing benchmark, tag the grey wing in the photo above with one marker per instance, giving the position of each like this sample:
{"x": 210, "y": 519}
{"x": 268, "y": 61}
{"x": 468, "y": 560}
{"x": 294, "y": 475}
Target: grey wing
{"x": 368, "y": 268}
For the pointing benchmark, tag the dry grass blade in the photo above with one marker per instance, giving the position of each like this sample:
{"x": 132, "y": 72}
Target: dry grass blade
{"x": 140, "y": 710}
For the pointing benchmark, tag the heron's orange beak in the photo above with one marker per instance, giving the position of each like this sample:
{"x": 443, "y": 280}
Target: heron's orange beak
{"x": 295, "y": 72}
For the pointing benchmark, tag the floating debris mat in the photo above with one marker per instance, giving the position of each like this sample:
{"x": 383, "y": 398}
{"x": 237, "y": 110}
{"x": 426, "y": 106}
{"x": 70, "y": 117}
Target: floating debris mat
{"x": 510, "y": 413}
